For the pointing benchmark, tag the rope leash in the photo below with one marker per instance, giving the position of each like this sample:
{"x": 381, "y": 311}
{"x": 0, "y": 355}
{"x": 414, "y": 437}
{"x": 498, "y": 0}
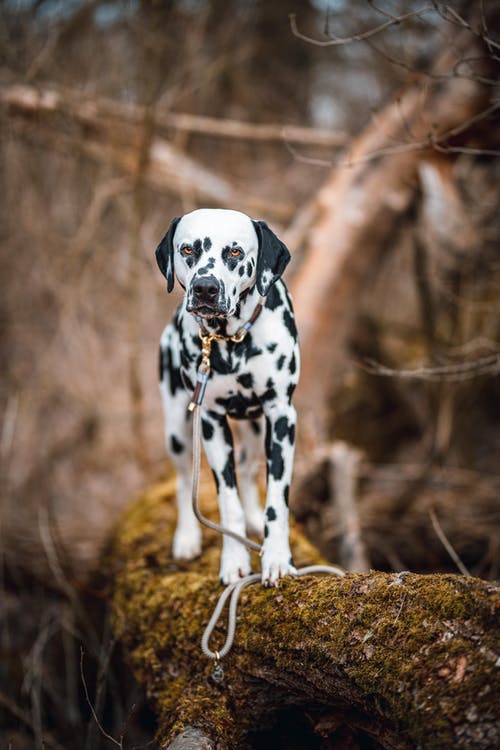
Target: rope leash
{"x": 234, "y": 590}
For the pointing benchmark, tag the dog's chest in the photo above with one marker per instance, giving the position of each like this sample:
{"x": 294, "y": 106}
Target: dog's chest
{"x": 245, "y": 376}
{"x": 237, "y": 382}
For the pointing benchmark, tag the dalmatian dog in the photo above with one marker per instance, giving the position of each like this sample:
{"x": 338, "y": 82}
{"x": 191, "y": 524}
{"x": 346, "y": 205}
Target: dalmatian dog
{"x": 226, "y": 262}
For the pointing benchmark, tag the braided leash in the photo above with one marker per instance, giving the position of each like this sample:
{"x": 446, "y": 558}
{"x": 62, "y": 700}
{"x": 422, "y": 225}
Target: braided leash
{"x": 234, "y": 590}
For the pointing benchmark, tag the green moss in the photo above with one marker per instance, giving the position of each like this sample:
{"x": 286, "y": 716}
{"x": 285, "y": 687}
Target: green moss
{"x": 395, "y": 646}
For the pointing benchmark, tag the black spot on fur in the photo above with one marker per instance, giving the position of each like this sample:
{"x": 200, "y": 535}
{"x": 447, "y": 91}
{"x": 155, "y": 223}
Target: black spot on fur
{"x": 228, "y": 471}
{"x": 217, "y": 483}
{"x": 249, "y": 269}
{"x": 241, "y": 270}
{"x": 255, "y": 427}
{"x": 281, "y": 428}
{"x": 269, "y": 437}
{"x": 293, "y": 365}
{"x": 247, "y": 349}
{"x": 174, "y": 374}
{"x": 207, "y": 243}
{"x": 175, "y": 445}
{"x": 161, "y": 366}
{"x": 187, "y": 381}
{"x": 270, "y": 383}
{"x": 245, "y": 293}
{"x": 291, "y": 562}
{"x": 277, "y": 465}
{"x": 239, "y": 406}
{"x": 209, "y": 266}
{"x": 254, "y": 412}
{"x": 223, "y": 365}
{"x": 281, "y": 362}
{"x": 271, "y": 347}
{"x": 246, "y": 380}
{"x": 221, "y": 420}
{"x": 234, "y": 291}
{"x": 207, "y": 429}
{"x": 286, "y": 493}
{"x": 273, "y": 299}
{"x": 271, "y": 513}
{"x": 266, "y": 531}
{"x": 291, "y": 434}
{"x": 290, "y": 390}
{"x": 268, "y": 394}
{"x": 289, "y": 322}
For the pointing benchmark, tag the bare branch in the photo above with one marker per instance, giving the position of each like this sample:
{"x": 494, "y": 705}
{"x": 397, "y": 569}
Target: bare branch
{"x": 446, "y": 544}
{"x": 54, "y": 98}
{"x": 448, "y": 13}
{"x": 118, "y": 743}
{"x": 488, "y": 365}
{"x": 336, "y": 41}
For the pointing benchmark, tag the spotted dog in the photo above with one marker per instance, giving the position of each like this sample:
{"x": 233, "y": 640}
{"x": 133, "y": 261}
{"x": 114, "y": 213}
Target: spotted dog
{"x": 224, "y": 261}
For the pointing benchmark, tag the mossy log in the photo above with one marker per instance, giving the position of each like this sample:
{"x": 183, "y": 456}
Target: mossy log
{"x": 401, "y": 660}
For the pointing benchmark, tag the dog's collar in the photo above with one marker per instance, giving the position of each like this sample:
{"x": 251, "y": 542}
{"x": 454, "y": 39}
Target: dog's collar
{"x": 206, "y": 347}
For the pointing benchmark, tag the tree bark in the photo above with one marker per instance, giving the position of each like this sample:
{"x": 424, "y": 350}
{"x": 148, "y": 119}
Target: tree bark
{"x": 354, "y": 218}
{"x": 406, "y": 659}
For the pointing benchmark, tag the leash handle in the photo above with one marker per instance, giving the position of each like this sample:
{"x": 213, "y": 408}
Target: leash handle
{"x": 199, "y": 391}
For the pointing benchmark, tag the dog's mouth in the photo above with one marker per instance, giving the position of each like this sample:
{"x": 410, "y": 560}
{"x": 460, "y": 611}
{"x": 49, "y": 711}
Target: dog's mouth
{"x": 207, "y": 311}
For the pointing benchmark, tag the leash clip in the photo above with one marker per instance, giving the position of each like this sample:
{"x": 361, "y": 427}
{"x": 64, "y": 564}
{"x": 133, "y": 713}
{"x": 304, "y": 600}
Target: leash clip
{"x": 217, "y": 674}
{"x": 239, "y": 336}
{"x": 203, "y": 370}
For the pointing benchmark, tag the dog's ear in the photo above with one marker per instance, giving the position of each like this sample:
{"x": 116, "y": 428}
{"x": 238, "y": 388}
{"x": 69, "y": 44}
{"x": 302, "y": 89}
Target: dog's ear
{"x": 272, "y": 259}
{"x": 165, "y": 254}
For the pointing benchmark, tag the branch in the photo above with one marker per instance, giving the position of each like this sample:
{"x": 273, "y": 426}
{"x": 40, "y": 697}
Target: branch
{"x": 487, "y": 365}
{"x": 336, "y": 41}
{"x": 98, "y": 136}
{"x": 52, "y": 98}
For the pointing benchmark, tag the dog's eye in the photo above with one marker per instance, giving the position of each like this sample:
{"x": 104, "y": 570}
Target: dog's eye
{"x": 236, "y": 252}
{"x": 187, "y": 250}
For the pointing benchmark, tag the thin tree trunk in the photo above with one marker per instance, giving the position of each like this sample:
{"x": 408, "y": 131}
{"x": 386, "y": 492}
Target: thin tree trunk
{"x": 357, "y": 209}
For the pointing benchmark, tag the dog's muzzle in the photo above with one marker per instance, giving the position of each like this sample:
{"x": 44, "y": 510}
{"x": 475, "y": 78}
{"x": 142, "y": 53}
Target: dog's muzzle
{"x": 204, "y": 297}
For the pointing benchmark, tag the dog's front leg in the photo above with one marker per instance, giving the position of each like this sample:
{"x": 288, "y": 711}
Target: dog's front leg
{"x": 280, "y": 447}
{"x": 219, "y": 449}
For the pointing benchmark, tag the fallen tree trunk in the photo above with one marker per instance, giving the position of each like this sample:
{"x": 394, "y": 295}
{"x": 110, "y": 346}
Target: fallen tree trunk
{"x": 404, "y": 659}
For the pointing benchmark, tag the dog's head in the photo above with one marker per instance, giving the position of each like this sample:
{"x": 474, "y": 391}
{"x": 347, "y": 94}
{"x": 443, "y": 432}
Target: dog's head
{"x": 216, "y": 255}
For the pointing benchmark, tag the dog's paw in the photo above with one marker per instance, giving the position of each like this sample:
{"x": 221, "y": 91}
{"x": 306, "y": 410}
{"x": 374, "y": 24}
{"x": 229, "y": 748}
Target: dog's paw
{"x": 275, "y": 565}
{"x": 234, "y": 564}
{"x": 187, "y": 544}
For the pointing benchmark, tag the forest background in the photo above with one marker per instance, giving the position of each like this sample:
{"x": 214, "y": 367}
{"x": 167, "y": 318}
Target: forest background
{"x": 366, "y": 135}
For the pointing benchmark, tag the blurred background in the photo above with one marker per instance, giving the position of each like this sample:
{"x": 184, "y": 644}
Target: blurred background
{"x": 366, "y": 134}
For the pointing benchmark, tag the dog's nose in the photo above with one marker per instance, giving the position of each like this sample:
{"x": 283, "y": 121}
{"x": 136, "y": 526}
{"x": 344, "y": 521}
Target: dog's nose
{"x": 206, "y": 289}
